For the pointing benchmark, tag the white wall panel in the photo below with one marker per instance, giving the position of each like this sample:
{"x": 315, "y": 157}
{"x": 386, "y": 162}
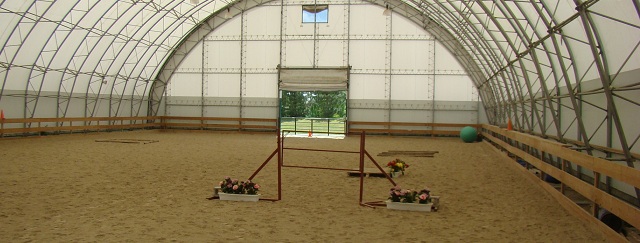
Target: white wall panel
{"x": 262, "y": 54}
{"x": 224, "y": 85}
{"x": 367, "y": 87}
{"x": 294, "y": 22}
{"x": 402, "y": 26}
{"x": 444, "y": 59}
{"x": 231, "y": 27}
{"x": 368, "y": 115}
{"x": 299, "y": 53}
{"x": 455, "y": 117}
{"x": 410, "y": 87}
{"x": 410, "y": 116}
{"x": 367, "y": 54}
{"x": 410, "y": 54}
{"x": 453, "y": 88}
{"x": 402, "y": 98}
{"x": 186, "y": 84}
{"x": 262, "y": 85}
{"x": 330, "y": 54}
{"x": 336, "y": 21}
{"x": 184, "y": 110}
{"x": 264, "y": 20}
{"x": 221, "y": 111}
{"x": 368, "y": 20}
{"x": 224, "y": 54}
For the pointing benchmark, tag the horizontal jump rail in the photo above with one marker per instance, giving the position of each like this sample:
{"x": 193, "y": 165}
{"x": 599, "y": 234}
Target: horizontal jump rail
{"x": 319, "y": 168}
{"x": 324, "y": 150}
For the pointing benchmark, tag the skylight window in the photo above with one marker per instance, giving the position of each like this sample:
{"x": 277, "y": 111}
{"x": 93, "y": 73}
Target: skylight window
{"x": 315, "y": 13}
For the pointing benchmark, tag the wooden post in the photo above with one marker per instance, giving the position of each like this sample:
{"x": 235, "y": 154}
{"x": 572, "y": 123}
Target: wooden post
{"x": 542, "y": 158}
{"x": 1, "y": 123}
{"x": 280, "y": 161}
{"x": 361, "y": 165}
{"x": 594, "y": 206}
{"x": 564, "y": 168}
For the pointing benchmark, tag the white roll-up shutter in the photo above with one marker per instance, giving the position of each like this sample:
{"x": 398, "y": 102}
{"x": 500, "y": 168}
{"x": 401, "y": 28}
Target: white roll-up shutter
{"x": 314, "y": 79}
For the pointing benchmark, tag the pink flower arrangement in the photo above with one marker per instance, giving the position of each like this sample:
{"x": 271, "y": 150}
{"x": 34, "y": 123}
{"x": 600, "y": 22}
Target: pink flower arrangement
{"x": 233, "y": 186}
{"x": 397, "y": 194}
{"x": 424, "y": 196}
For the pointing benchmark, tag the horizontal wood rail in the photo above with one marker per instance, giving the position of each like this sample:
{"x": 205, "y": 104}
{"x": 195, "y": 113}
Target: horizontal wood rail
{"x": 57, "y": 125}
{"x": 220, "y": 123}
{"x": 38, "y": 126}
{"x": 30, "y": 126}
{"x": 596, "y": 147}
{"x": 408, "y": 128}
{"x": 512, "y": 142}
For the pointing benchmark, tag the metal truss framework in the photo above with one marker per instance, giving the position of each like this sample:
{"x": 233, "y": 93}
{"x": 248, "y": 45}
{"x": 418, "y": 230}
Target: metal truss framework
{"x": 533, "y": 62}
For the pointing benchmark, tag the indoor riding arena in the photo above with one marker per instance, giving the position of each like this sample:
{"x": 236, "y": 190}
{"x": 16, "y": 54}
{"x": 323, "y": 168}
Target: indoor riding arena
{"x": 319, "y": 121}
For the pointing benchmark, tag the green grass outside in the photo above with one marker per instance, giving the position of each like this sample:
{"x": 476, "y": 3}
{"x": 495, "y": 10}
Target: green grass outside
{"x": 319, "y": 126}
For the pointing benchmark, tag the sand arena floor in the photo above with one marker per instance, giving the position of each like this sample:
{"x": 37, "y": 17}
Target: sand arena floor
{"x": 70, "y": 188}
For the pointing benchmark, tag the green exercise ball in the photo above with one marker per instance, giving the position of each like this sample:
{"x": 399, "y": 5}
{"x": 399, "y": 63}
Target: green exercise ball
{"x": 468, "y": 134}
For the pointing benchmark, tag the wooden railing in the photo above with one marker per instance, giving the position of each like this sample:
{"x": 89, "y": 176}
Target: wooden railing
{"x": 30, "y": 126}
{"x": 74, "y": 124}
{"x": 37, "y": 126}
{"x": 521, "y": 146}
{"x": 408, "y": 128}
{"x": 219, "y": 123}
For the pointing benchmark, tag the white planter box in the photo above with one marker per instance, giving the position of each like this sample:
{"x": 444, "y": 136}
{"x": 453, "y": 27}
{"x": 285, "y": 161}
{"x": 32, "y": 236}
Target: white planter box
{"x": 409, "y": 206}
{"x": 238, "y": 197}
{"x": 395, "y": 174}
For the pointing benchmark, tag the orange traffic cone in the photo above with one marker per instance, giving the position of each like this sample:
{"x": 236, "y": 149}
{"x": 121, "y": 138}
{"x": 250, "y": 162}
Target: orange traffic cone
{"x": 509, "y": 125}
{"x": 310, "y": 133}
{"x": 1, "y": 114}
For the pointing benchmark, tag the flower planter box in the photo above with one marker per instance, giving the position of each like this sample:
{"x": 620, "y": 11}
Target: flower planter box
{"x": 409, "y": 206}
{"x": 238, "y": 197}
{"x": 395, "y": 174}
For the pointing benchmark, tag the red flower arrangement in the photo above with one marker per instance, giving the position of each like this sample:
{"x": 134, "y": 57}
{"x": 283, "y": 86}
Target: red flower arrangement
{"x": 397, "y": 165}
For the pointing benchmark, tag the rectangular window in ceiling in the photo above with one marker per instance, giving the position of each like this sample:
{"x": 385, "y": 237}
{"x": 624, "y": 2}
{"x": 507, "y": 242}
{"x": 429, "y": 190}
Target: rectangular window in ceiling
{"x": 315, "y": 13}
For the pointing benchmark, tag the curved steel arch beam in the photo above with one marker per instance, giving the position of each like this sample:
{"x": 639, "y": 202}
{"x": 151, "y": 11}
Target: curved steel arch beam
{"x": 213, "y": 21}
{"x": 4, "y": 45}
{"x": 191, "y": 39}
{"x": 492, "y": 60}
{"x": 447, "y": 20}
{"x": 162, "y": 38}
{"x": 520, "y": 31}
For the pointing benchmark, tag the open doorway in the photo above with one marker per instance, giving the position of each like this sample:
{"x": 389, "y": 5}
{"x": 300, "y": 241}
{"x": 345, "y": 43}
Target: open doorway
{"x": 314, "y": 113}
{"x": 313, "y": 100}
